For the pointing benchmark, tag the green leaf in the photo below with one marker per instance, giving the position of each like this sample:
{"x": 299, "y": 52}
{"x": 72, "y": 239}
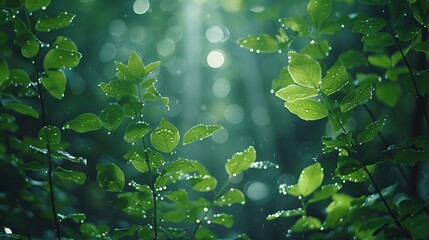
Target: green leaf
{"x": 19, "y": 77}
{"x": 357, "y": 96}
{"x": 410, "y": 207}
{"x": 136, "y": 66}
{"x": 61, "y": 58}
{"x": 50, "y": 134}
{"x": 307, "y": 109}
{"x": 259, "y": 43}
{"x": 77, "y": 177}
{"x": 380, "y": 60}
{"x": 150, "y": 67}
{"x": 153, "y": 95}
{"x": 30, "y": 47}
{"x": 224, "y": 219}
{"x": 134, "y": 203}
{"x": 165, "y": 137}
{"x": 111, "y": 116}
{"x": 77, "y": 217}
{"x": 84, "y": 123}
{"x": 325, "y": 192}
{"x": 55, "y": 82}
{"x": 369, "y": 26}
{"x": 33, "y": 5}
{"x": 119, "y": 233}
{"x": 138, "y": 157}
{"x": 92, "y": 230}
{"x": 310, "y": 179}
{"x": 317, "y": 49}
{"x": 286, "y": 213}
{"x": 203, "y": 183}
{"x": 135, "y": 131}
{"x": 199, "y": 132}
{"x": 67, "y": 156}
{"x": 22, "y": 109}
{"x": 371, "y": 130}
{"x": 306, "y": 223}
{"x": 240, "y": 161}
{"x": 318, "y": 11}
{"x": 264, "y": 165}
{"x": 381, "y": 39}
{"x": 110, "y": 177}
{"x": 175, "y": 170}
{"x": 295, "y": 24}
{"x": 336, "y": 78}
{"x": 180, "y": 195}
{"x": 422, "y": 47}
{"x": 283, "y": 80}
{"x": 342, "y": 140}
{"x": 149, "y": 82}
{"x": 352, "y": 59}
{"x": 174, "y": 216}
{"x": 118, "y": 88}
{"x": 410, "y": 156}
{"x": 4, "y": 71}
{"x": 295, "y": 92}
{"x": 388, "y": 93}
{"x": 232, "y": 196}
{"x": 418, "y": 226}
{"x": 64, "y": 43}
{"x": 304, "y": 70}
{"x": 47, "y": 24}
{"x": 350, "y": 165}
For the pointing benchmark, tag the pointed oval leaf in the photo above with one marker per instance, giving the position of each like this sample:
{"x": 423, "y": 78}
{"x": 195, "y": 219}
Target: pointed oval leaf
{"x": 306, "y": 223}
{"x": 110, "y": 177}
{"x": 174, "y": 216}
{"x": 240, "y": 161}
{"x": 380, "y": 39}
{"x": 150, "y": 67}
{"x": 31, "y": 47}
{"x": 74, "y": 176}
{"x": 136, "y": 66}
{"x": 352, "y": 59}
{"x": 50, "y": 134}
{"x": 371, "y": 130}
{"x": 295, "y": 24}
{"x": 118, "y": 88}
{"x": 284, "y": 79}
{"x": 232, "y": 196}
{"x": 259, "y": 43}
{"x": 357, "y": 96}
{"x": 307, "y": 109}
{"x": 152, "y": 94}
{"x": 111, "y": 116}
{"x": 202, "y": 183}
{"x": 64, "y": 43}
{"x": 318, "y": 11}
{"x": 61, "y": 58}
{"x": 33, "y": 5}
{"x": 310, "y": 179}
{"x": 335, "y": 79}
{"x": 286, "y": 213}
{"x": 19, "y": 77}
{"x": 317, "y": 49}
{"x": 224, "y": 219}
{"x": 369, "y": 26}
{"x": 348, "y": 164}
{"x": 388, "y": 93}
{"x": 295, "y": 92}
{"x": 138, "y": 157}
{"x": 380, "y": 60}
{"x": 47, "y": 24}
{"x": 304, "y": 70}
{"x": 84, "y": 123}
{"x": 22, "y": 109}
{"x": 180, "y": 195}
{"x": 165, "y": 137}
{"x": 55, "y": 82}
{"x": 325, "y": 192}
{"x": 199, "y": 132}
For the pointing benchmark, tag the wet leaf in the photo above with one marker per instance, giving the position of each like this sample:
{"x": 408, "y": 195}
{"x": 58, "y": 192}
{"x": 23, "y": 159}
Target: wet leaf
{"x": 318, "y": 11}
{"x": 33, "y": 5}
{"x": 150, "y": 67}
{"x": 202, "y": 183}
{"x": 67, "y": 156}
{"x": 22, "y": 109}
{"x": 224, "y": 219}
{"x": 111, "y": 116}
{"x": 357, "y": 96}
{"x": 199, "y": 132}
{"x": 30, "y": 47}
{"x": 138, "y": 157}
{"x": 84, "y": 123}
{"x": 286, "y": 213}
{"x": 369, "y": 25}
{"x": 133, "y": 203}
{"x": 165, "y": 137}
{"x": 325, "y": 192}
{"x": 118, "y": 88}
{"x": 174, "y": 216}
{"x": 298, "y": 25}
{"x": 307, "y": 109}
{"x": 136, "y": 66}
{"x": 4, "y": 71}
{"x": 410, "y": 206}
{"x": 232, "y": 196}
{"x": 77, "y": 217}
{"x": 46, "y": 24}
{"x": 119, "y": 233}
{"x": 352, "y": 59}
{"x": 60, "y": 58}
{"x": 283, "y": 80}
{"x": 380, "y": 39}
{"x": 153, "y": 95}
{"x": 64, "y": 43}
{"x": 388, "y": 93}
{"x": 92, "y": 230}
{"x": 135, "y": 131}
{"x": 304, "y": 70}
{"x": 310, "y": 179}
{"x": 240, "y": 161}
{"x": 317, "y": 49}
{"x": 259, "y": 43}
{"x": 55, "y": 82}
{"x": 180, "y": 195}
{"x": 50, "y": 134}
{"x": 306, "y": 223}
{"x": 110, "y": 177}
{"x": 74, "y": 176}
{"x": 264, "y": 165}
{"x": 336, "y": 78}
{"x": 349, "y": 169}
{"x": 295, "y": 92}
{"x": 371, "y": 130}
{"x": 410, "y": 156}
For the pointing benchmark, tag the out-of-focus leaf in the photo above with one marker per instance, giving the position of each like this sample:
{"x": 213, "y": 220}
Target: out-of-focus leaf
{"x": 240, "y": 161}
{"x": 286, "y": 213}
{"x": 110, "y": 177}
{"x": 199, "y": 132}
{"x": 232, "y": 196}
{"x": 295, "y": 92}
{"x": 335, "y": 79}
{"x": 74, "y": 176}
{"x": 46, "y": 24}
{"x": 306, "y": 223}
{"x": 259, "y": 43}
{"x": 325, "y": 192}
{"x": 224, "y": 219}
{"x": 33, "y": 5}
{"x": 22, "y": 109}
{"x": 135, "y": 131}
{"x": 318, "y": 11}
{"x": 84, "y": 123}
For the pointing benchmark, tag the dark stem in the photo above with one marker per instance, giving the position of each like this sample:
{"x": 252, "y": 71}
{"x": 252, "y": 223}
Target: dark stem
{"x": 151, "y": 182}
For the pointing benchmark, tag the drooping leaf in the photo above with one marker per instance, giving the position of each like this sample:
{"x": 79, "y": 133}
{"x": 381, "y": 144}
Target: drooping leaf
{"x": 33, "y": 5}
{"x": 304, "y": 70}
{"x": 325, "y": 192}
{"x": 371, "y": 130}
{"x": 84, "y": 123}
{"x": 306, "y": 223}
{"x": 286, "y": 213}
{"x": 110, "y": 177}
{"x": 135, "y": 131}
{"x": 232, "y": 196}
{"x": 318, "y": 11}
{"x": 22, "y": 109}
{"x": 46, "y": 24}
{"x": 335, "y": 79}
{"x": 295, "y": 24}
{"x": 111, "y": 116}
{"x": 240, "y": 161}
{"x": 307, "y": 109}
{"x": 67, "y": 156}
{"x": 60, "y": 58}
{"x": 50, "y": 134}
{"x": 118, "y": 88}
{"x": 202, "y": 183}
{"x": 259, "y": 43}
{"x": 165, "y": 137}
{"x": 199, "y": 132}
{"x": 55, "y": 82}
{"x": 74, "y": 176}
{"x": 224, "y": 219}
{"x": 295, "y": 92}
{"x": 357, "y": 96}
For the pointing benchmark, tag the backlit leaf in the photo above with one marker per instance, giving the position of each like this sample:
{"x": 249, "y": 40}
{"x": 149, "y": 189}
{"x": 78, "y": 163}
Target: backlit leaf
{"x": 118, "y": 88}
{"x": 318, "y": 11}
{"x": 317, "y": 49}
{"x": 336, "y": 78}
{"x": 22, "y": 109}
{"x": 135, "y": 131}
{"x": 224, "y": 219}
{"x": 295, "y": 92}
{"x": 199, "y": 132}
{"x": 307, "y": 109}
{"x": 55, "y": 82}
{"x": 50, "y": 134}
{"x": 92, "y": 230}
{"x": 357, "y": 96}
{"x": 180, "y": 195}
{"x": 110, "y": 177}
{"x": 138, "y": 158}
{"x": 61, "y": 58}
{"x": 151, "y": 66}
{"x": 84, "y": 123}
{"x": 64, "y": 43}
{"x": 33, "y": 5}
{"x": 304, "y": 70}
{"x": 283, "y": 80}
{"x": 369, "y": 26}
{"x": 165, "y": 137}
{"x": 295, "y": 24}
{"x": 153, "y": 95}
{"x": 136, "y": 66}
{"x": 74, "y": 176}
{"x": 325, "y": 192}
{"x": 371, "y": 130}
{"x": 46, "y": 24}
{"x": 310, "y": 179}
{"x": 306, "y": 223}
{"x": 230, "y": 197}
{"x": 286, "y": 213}
{"x": 259, "y": 43}
{"x": 111, "y": 116}
{"x": 240, "y": 161}
{"x": 202, "y": 183}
